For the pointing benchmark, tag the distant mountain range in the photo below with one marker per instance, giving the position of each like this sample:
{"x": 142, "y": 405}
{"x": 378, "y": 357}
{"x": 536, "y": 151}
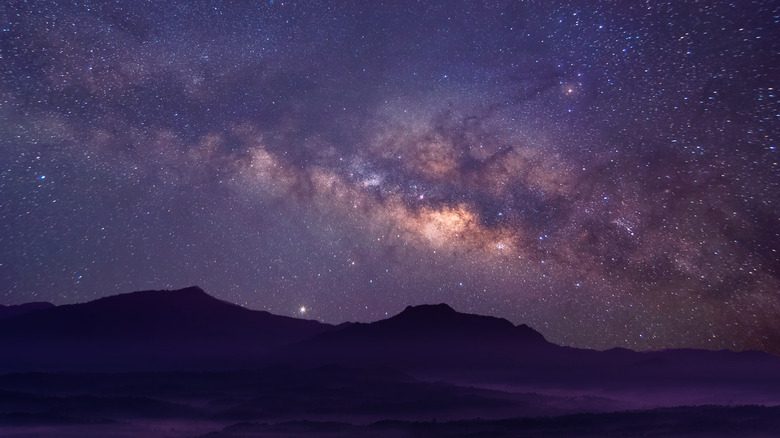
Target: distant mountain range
{"x": 188, "y": 329}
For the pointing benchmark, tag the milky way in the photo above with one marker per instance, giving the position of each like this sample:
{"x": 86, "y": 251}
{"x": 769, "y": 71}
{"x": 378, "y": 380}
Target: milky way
{"x": 604, "y": 172}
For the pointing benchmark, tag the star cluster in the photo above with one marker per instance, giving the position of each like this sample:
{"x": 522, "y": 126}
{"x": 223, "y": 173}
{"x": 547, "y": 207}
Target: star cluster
{"x": 606, "y": 173}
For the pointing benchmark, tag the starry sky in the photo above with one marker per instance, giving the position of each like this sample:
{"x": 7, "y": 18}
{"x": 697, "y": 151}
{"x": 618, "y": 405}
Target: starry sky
{"x": 606, "y": 172}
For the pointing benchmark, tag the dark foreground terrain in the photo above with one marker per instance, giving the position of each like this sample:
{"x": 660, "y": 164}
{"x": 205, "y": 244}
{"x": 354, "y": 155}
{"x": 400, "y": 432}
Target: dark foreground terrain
{"x": 183, "y": 364}
{"x": 335, "y": 402}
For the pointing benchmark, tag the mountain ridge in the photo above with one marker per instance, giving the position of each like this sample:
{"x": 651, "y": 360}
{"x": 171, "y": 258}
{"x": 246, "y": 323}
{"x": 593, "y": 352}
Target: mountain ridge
{"x": 188, "y": 329}
{"x": 11, "y": 311}
{"x": 147, "y": 330}
{"x": 149, "y": 312}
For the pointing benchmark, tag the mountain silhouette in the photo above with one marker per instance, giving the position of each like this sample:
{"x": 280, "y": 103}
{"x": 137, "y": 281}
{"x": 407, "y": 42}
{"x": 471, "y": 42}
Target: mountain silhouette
{"x": 22, "y": 309}
{"x": 437, "y": 342}
{"x": 188, "y": 329}
{"x": 441, "y": 319}
{"x": 210, "y": 362}
{"x": 179, "y": 313}
{"x": 184, "y": 328}
{"x": 427, "y": 339}
{"x": 439, "y": 323}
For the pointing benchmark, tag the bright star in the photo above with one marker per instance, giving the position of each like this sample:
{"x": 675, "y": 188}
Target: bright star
{"x": 302, "y": 310}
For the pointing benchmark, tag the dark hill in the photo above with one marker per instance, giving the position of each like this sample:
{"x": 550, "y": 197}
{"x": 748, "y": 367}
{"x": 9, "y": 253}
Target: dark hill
{"x": 441, "y": 323}
{"x": 435, "y": 341}
{"x": 151, "y": 330}
{"x": 441, "y": 319}
{"x": 183, "y": 313}
{"x": 22, "y": 309}
{"x": 424, "y": 338}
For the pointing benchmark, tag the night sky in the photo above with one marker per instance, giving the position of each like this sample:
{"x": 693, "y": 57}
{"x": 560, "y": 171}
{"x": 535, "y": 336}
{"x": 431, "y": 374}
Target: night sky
{"x": 605, "y": 172}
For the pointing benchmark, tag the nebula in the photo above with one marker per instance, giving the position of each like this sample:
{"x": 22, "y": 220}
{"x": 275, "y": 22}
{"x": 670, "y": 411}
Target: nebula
{"x": 607, "y": 175}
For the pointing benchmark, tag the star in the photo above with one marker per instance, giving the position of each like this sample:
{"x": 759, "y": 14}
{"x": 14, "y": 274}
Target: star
{"x": 357, "y": 160}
